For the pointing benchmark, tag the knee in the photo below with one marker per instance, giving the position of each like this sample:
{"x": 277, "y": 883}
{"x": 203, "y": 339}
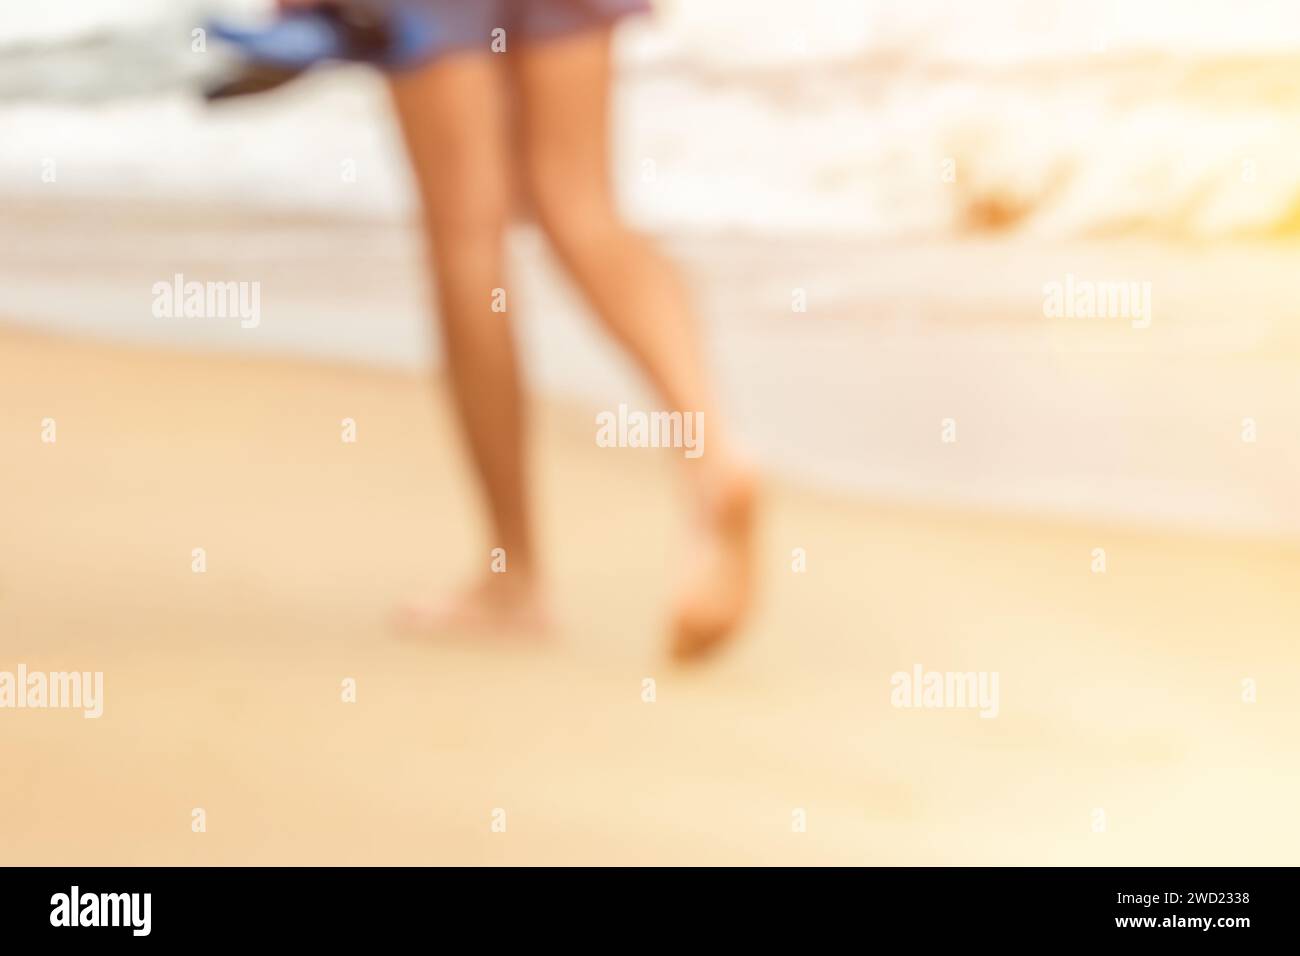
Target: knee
{"x": 463, "y": 221}
{"x": 579, "y": 221}
{"x": 466, "y": 210}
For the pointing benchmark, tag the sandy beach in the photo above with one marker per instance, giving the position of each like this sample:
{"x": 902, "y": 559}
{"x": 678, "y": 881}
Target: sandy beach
{"x": 897, "y": 225}
{"x": 1119, "y": 691}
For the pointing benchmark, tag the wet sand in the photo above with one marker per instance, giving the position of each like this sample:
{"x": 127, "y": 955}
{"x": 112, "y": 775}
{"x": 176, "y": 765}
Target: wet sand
{"x": 1118, "y": 691}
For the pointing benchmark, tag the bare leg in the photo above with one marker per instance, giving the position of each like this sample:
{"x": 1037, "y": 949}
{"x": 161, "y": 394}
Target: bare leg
{"x": 454, "y": 117}
{"x": 564, "y": 86}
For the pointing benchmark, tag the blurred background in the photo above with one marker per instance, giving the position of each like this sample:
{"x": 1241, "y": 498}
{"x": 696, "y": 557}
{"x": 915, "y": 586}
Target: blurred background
{"x": 917, "y": 173}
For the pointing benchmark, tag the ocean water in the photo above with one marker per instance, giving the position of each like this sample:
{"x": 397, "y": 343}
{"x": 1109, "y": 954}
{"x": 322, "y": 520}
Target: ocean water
{"x": 1058, "y": 118}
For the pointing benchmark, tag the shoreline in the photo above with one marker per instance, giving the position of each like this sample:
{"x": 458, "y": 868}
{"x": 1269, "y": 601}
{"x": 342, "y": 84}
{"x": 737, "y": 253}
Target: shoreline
{"x": 1087, "y": 419}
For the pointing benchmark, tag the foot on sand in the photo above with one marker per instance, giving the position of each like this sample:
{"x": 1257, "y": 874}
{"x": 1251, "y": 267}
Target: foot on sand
{"x": 504, "y": 605}
{"x": 719, "y": 584}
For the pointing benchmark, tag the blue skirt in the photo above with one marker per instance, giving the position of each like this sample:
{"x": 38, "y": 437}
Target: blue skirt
{"x": 466, "y": 24}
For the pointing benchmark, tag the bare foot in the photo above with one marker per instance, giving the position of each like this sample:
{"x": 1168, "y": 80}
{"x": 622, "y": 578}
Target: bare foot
{"x": 719, "y": 585}
{"x": 495, "y": 606}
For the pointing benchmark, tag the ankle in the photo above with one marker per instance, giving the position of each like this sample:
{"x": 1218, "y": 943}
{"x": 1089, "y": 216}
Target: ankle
{"x": 726, "y": 481}
{"x": 520, "y": 580}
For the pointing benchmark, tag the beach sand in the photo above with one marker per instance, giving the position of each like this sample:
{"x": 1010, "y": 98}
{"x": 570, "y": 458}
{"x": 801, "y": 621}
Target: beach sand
{"x": 1119, "y": 692}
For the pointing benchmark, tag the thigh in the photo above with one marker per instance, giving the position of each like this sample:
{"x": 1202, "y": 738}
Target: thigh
{"x": 454, "y": 119}
{"x": 563, "y": 88}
